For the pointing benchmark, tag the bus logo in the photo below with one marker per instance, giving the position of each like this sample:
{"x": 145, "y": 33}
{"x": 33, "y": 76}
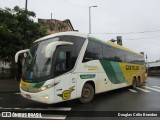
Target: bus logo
{"x": 66, "y": 94}
{"x": 132, "y": 67}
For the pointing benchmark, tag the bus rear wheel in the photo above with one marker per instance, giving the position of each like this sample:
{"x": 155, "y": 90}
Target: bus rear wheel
{"x": 134, "y": 83}
{"x": 138, "y": 83}
{"x": 87, "y": 93}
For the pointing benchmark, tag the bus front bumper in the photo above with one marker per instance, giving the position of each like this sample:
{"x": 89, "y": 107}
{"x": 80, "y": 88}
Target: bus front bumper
{"x": 45, "y": 96}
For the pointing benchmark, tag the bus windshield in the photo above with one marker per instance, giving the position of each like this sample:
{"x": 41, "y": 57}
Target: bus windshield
{"x": 36, "y": 65}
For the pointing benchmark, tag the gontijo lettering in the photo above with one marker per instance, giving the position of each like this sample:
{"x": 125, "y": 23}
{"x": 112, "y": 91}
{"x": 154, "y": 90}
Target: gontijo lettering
{"x": 132, "y": 67}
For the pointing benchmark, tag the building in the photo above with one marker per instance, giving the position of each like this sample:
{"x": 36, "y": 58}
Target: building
{"x": 153, "y": 68}
{"x": 55, "y": 26}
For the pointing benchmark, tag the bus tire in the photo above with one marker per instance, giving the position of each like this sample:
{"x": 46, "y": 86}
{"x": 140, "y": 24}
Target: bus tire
{"x": 134, "y": 83}
{"x": 138, "y": 83}
{"x": 87, "y": 93}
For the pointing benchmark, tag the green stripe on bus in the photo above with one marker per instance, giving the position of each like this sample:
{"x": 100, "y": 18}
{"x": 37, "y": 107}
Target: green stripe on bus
{"x": 113, "y": 71}
{"x": 87, "y": 76}
{"x": 38, "y": 85}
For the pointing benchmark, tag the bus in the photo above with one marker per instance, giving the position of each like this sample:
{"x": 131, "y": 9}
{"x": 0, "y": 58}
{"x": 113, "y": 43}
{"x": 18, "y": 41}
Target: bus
{"x": 71, "y": 65}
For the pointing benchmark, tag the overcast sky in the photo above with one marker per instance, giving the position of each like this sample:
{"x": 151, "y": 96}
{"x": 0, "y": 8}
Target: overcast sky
{"x": 138, "y": 20}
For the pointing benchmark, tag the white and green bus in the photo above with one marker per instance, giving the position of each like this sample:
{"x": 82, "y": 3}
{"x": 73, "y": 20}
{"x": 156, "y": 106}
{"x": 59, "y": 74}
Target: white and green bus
{"x": 70, "y": 65}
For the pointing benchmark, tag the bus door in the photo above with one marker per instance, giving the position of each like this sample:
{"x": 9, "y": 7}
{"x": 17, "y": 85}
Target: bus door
{"x": 66, "y": 87}
{"x": 63, "y": 89}
{"x": 73, "y": 85}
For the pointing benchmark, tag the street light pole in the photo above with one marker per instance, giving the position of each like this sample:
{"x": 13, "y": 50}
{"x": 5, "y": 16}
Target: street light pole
{"x": 90, "y": 18}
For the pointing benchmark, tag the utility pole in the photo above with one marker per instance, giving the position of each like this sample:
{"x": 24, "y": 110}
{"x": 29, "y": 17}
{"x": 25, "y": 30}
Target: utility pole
{"x": 26, "y": 5}
{"x": 25, "y": 28}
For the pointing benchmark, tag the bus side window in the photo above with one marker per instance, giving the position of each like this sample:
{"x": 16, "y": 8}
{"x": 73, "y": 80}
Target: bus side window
{"x": 93, "y": 51}
{"x": 63, "y": 61}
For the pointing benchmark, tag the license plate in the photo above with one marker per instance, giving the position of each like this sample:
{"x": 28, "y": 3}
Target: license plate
{"x": 28, "y": 96}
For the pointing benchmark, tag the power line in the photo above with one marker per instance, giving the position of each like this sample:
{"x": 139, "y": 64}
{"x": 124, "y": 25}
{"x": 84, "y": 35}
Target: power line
{"x": 140, "y": 32}
{"x": 75, "y": 4}
{"x": 143, "y": 38}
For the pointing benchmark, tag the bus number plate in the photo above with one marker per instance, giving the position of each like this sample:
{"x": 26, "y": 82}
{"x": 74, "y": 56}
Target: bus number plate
{"x": 28, "y": 96}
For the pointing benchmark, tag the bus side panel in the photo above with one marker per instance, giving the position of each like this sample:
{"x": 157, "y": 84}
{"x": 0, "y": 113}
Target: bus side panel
{"x": 133, "y": 70}
{"x": 114, "y": 73}
{"x": 63, "y": 89}
{"x": 87, "y": 71}
{"x": 119, "y": 73}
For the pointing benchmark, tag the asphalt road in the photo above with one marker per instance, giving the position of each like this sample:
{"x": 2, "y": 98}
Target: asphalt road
{"x": 113, "y": 105}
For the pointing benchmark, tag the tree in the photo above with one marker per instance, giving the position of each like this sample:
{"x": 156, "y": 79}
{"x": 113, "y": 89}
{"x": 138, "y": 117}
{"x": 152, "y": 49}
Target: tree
{"x": 17, "y": 31}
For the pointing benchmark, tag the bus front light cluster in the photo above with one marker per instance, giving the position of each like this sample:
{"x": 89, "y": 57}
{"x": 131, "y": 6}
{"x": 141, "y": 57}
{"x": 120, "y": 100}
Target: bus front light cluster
{"x": 48, "y": 86}
{"x": 46, "y": 97}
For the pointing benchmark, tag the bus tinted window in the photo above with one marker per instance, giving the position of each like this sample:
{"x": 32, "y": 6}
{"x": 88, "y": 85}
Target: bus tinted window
{"x": 119, "y": 56}
{"x": 67, "y": 55}
{"x": 62, "y": 62}
{"x": 97, "y": 50}
{"x": 93, "y": 51}
{"x": 108, "y": 53}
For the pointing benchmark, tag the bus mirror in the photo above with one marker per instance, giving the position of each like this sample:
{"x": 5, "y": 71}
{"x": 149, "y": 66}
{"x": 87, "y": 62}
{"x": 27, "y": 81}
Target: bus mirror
{"x": 25, "y": 54}
{"x": 50, "y": 48}
{"x": 20, "y": 52}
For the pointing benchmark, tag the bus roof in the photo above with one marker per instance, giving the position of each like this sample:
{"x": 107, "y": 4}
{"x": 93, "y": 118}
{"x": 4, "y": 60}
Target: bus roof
{"x": 62, "y": 33}
{"x": 122, "y": 48}
{"x": 72, "y": 33}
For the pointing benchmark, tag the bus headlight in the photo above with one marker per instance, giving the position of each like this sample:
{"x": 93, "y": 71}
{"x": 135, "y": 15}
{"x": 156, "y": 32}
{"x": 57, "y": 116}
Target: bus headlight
{"x": 46, "y": 97}
{"x": 48, "y": 86}
{"x": 43, "y": 88}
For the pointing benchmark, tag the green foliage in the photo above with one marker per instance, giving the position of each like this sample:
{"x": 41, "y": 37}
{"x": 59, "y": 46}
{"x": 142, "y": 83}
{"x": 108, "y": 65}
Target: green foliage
{"x": 17, "y": 31}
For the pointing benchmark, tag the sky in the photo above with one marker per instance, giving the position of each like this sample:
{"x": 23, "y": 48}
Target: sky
{"x": 137, "y": 21}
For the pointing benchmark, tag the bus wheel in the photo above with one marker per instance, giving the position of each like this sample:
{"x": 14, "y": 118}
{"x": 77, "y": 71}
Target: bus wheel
{"x": 87, "y": 93}
{"x": 138, "y": 83}
{"x": 134, "y": 83}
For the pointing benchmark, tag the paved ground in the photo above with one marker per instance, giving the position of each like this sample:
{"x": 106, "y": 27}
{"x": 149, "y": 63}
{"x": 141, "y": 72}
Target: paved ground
{"x": 141, "y": 99}
{"x": 9, "y": 85}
